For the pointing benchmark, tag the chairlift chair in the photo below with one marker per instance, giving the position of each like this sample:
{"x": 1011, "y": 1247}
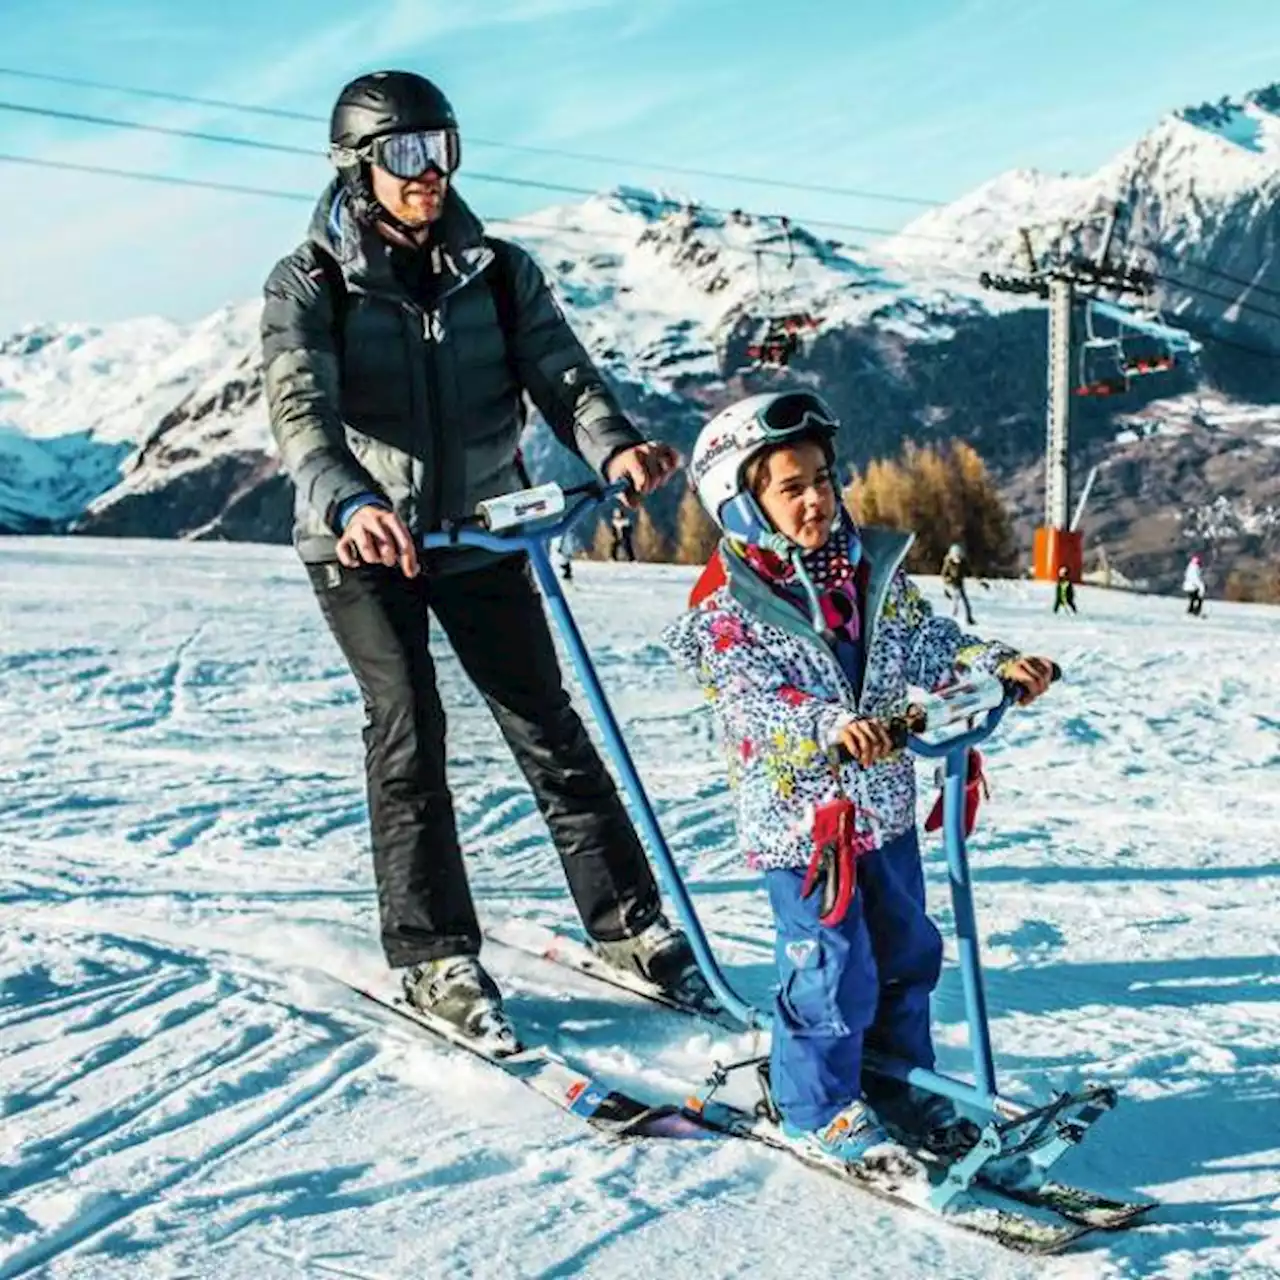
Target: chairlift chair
{"x": 1110, "y": 384}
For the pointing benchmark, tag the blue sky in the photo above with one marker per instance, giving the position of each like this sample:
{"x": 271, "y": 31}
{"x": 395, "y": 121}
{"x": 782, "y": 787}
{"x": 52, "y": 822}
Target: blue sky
{"x": 922, "y": 97}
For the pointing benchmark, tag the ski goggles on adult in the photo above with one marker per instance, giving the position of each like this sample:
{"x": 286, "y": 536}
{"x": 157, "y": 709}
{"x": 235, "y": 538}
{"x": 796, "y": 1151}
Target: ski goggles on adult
{"x": 798, "y": 411}
{"x": 409, "y": 155}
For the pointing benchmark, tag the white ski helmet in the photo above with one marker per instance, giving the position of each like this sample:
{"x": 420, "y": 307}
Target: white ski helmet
{"x": 734, "y": 436}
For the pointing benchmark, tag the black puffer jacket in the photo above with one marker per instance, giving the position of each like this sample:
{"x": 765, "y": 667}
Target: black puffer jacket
{"x": 419, "y": 400}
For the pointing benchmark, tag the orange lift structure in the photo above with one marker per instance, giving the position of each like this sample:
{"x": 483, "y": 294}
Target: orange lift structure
{"x": 1058, "y": 542}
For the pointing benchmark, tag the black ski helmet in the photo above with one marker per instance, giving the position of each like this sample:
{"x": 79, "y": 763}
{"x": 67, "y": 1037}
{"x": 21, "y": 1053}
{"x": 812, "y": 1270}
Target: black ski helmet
{"x": 375, "y": 104}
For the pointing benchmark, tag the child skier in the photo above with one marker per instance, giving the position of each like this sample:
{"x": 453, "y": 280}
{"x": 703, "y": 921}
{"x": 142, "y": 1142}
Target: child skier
{"x": 805, "y": 639}
{"x": 1193, "y": 586}
{"x": 1064, "y": 596}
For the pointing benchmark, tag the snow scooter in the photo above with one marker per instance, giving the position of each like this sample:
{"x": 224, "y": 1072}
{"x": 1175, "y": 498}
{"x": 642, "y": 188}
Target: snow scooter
{"x": 1019, "y": 1142}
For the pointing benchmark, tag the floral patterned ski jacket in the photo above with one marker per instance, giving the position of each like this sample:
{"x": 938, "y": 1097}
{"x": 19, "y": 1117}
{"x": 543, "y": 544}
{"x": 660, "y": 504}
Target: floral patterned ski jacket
{"x": 781, "y": 697}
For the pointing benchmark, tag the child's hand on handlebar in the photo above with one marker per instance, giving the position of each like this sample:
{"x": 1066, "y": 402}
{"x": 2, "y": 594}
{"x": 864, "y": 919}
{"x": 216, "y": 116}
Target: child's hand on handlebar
{"x": 1033, "y": 676}
{"x": 867, "y": 741}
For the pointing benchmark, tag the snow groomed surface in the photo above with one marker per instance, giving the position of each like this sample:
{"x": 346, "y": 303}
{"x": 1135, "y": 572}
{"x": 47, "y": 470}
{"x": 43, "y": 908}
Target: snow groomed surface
{"x": 186, "y": 1093}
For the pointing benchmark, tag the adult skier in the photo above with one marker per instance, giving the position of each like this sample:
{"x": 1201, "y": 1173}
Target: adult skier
{"x": 397, "y": 340}
{"x": 806, "y": 646}
{"x": 954, "y": 571}
{"x": 622, "y": 546}
{"x": 564, "y": 558}
{"x": 1193, "y": 586}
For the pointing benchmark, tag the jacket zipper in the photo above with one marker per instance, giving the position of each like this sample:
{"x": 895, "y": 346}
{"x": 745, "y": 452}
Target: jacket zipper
{"x": 810, "y": 638}
{"x": 431, "y": 387}
{"x": 808, "y": 635}
{"x": 430, "y": 382}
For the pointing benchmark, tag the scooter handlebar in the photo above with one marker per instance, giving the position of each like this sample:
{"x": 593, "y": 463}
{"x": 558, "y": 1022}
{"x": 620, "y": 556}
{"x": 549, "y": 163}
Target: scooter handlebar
{"x": 905, "y": 730}
{"x": 1015, "y": 689}
{"x": 542, "y": 512}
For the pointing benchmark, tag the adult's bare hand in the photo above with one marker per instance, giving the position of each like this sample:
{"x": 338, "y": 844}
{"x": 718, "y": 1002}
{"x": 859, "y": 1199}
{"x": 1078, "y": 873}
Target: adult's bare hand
{"x": 867, "y": 741}
{"x": 375, "y": 535}
{"x": 648, "y": 466}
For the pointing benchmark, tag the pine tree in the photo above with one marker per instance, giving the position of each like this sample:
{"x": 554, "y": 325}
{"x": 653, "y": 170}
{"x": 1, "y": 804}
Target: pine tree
{"x": 696, "y": 533}
{"x": 601, "y": 542}
{"x": 650, "y": 544}
{"x": 942, "y": 495}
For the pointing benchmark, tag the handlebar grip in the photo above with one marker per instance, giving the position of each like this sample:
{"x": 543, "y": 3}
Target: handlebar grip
{"x": 1014, "y": 688}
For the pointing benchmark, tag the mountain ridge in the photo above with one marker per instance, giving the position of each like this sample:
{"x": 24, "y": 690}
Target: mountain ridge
{"x": 156, "y": 428}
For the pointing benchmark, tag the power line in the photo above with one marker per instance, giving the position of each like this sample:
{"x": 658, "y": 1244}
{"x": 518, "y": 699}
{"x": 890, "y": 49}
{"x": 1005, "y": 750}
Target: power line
{"x": 526, "y": 222}
{"x": 1269, "y": 353}
{"x": 160, "y": 95}
{"x": 1169, "y": 256}
{"x": 256, "y": 144}
{"x": 140, "y": 126}
{"x": 1220, "y": 297}
{"x": 281, "y": 113}
{"x": 561, "y": 188}
{"x": 171, "y": 179}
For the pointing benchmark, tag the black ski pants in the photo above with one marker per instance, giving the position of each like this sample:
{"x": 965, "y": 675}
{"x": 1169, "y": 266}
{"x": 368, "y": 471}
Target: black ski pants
{"x": 494, "y": 619}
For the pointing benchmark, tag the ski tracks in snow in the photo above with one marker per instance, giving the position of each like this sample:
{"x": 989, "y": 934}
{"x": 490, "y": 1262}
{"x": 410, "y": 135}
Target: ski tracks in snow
{"x": 182, "y": 828}
{"x": 124, "y": 1091}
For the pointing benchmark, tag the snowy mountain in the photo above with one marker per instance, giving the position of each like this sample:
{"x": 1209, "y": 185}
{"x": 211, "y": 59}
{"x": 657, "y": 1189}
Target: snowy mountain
{"x": 158, "y": 429}
{"x": 1199, "y": 200}
{"x": 84, "y": 410}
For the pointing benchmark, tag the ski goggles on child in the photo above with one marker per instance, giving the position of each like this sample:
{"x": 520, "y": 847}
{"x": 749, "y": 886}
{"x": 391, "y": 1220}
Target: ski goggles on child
{"x": 409, "y": 155}
{"x": 794, "y": 413}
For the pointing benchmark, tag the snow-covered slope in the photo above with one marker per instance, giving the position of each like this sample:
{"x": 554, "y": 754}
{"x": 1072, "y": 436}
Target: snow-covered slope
{"x": 186, "y": 1094}
{"x": 74, "y": 402}
{"x": 665, "y": 289}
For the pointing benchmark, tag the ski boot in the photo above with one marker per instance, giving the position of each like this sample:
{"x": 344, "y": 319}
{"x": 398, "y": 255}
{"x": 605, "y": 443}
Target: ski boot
{"x": 921, "y": 1118}
{"x": 660, "y": 954}
{"x": 853, "y": 1137}
{"x": 457, "y": 990}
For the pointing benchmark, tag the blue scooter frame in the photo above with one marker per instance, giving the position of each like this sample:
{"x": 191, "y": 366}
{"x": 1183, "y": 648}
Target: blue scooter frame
{"x": 1035, "y": 1136}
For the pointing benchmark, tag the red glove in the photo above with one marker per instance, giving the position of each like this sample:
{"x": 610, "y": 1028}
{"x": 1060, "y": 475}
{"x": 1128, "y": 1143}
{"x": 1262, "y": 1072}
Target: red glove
{"x": 975, "y": 791}
{"x": 837, "y": 845}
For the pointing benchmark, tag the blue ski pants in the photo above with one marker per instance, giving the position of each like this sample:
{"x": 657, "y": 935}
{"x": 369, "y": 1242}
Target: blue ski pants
{"x": 865, "y": 981}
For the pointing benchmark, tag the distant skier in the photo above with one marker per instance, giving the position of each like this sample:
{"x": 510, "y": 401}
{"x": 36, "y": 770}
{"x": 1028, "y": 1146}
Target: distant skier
{"x": 394, "y": 407}
{"x": 564, "y": 558}
{"x": 622, "y": 545}
{"x": 1193, "y": 586}
{"x": 954, "y": 571}
{"x": 1064, "y": 596}
{"x": 780, "y": 640}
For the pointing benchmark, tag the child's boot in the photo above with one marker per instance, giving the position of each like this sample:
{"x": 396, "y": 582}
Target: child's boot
{"x": 921, "y": 1118}
{"x": 852, "y": 1136}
